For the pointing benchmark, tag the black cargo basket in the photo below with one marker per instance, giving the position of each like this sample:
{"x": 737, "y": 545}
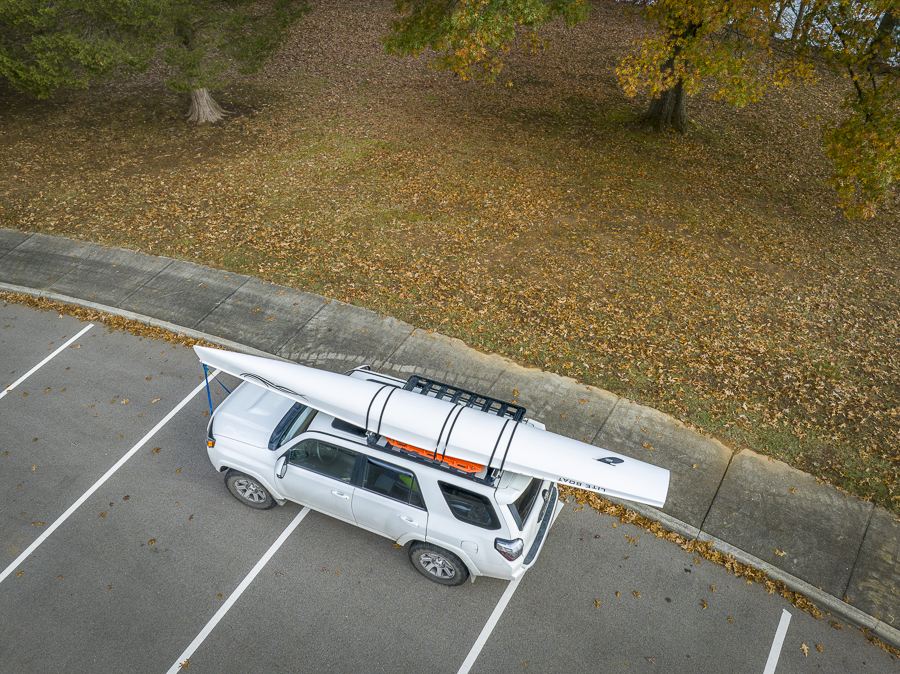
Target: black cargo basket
{"x": 460, "y": 396}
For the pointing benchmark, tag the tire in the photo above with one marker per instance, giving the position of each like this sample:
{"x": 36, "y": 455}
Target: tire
{"x": 438, "y": 565}
{"x": 248, "y": 490}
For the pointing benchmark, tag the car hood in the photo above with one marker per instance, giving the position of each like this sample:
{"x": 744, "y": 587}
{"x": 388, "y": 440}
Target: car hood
{"x": 250, "y": 414}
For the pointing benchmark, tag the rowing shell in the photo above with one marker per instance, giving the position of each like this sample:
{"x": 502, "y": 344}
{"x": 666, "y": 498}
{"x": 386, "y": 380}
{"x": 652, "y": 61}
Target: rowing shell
{"x": 451, "y": 429}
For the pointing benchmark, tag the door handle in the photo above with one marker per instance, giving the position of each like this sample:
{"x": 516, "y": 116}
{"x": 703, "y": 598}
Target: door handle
{"x": 409, "y": 520}
{"x": 338, "y": 493}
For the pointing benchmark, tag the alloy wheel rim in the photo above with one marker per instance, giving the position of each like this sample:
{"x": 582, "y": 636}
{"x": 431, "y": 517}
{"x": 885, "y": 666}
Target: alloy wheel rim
{"x": 250, "y": 491}
{"x": 437, "y": 566}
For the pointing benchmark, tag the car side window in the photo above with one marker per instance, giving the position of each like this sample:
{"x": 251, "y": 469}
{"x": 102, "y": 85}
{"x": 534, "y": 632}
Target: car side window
{"x": 469, "y": 507}
{"x": 393, "y": 482}
{"x": 321, "y": 457}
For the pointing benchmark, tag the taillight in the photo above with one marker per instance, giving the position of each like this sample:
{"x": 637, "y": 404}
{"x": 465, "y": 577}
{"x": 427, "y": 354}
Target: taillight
{"x": 512, "y": 550}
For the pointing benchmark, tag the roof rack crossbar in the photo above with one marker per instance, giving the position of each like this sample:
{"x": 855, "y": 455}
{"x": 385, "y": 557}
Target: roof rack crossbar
{"x": 460, "y": 396}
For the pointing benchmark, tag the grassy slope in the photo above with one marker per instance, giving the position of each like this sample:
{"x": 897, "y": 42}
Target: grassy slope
{"x": 710, "y": 276}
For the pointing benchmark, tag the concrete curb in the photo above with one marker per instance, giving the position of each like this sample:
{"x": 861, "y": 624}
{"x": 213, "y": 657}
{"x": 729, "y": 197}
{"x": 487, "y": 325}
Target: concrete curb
{"x": 140, "y": 318}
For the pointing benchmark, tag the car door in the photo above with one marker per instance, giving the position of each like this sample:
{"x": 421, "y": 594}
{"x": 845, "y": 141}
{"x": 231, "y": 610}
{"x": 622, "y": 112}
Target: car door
{"x": 318, "y": 474}
{"x": 388, "y": 501}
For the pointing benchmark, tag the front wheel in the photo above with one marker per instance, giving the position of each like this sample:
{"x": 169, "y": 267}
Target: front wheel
{"x": 437, "y": 564}
{"x": 248, "y": 490}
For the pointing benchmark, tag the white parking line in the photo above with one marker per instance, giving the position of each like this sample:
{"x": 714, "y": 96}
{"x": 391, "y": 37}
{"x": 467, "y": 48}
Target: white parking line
{"x": 84, "y": 497}
{"x": 44, "y": 362}
{"x": 489, "y": 627}
{"x": 775, "y": 651}
{"x": 183, "y": 660}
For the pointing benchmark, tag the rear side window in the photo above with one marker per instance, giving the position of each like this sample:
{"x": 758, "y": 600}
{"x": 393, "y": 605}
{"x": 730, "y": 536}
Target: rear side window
{"x": 393, "y": 482}
{"x": 469, "y": 507}
{"x": 522, "y": 506}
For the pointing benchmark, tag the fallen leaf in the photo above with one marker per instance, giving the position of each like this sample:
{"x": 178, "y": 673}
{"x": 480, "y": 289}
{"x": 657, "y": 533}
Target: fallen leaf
{"x": 151, "y": 541}
{"x": 703, "y": 604}
{"x": 155, "y": 401}
{"x": 779, "y": 552}
{"x": 819, "y": 648}
{"x": 805, "y": 649}
{"x": 636, "y": 593}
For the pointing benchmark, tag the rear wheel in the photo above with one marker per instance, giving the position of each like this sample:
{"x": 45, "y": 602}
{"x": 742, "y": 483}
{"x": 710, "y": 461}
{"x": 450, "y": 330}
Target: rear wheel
{"x": 437, "y": 564}
{"x": 248, "y": 490}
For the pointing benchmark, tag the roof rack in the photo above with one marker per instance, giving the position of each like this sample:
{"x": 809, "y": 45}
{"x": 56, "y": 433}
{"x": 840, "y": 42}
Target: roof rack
{"x": 460, "y": 396}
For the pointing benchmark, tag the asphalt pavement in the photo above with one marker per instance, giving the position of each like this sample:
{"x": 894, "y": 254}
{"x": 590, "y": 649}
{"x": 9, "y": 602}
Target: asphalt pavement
{"x": 838, "y": 550}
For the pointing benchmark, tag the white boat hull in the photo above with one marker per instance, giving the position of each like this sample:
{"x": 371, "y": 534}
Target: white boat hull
{"x": 451, "y": 429}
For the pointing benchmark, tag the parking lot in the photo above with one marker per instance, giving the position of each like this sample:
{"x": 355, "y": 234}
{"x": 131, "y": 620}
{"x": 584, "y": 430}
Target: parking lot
{"x": 141, "y": 561}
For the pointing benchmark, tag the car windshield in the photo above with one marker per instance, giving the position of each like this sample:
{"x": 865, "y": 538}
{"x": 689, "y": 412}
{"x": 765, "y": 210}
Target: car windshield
{"x": 291, "y": 425}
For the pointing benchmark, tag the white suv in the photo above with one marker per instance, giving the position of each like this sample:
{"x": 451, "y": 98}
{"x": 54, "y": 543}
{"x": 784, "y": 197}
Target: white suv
{"x": 460, "y": 519}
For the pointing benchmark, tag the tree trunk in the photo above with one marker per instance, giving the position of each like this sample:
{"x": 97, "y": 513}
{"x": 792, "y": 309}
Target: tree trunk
{"x": 798, "y": 22}
{"x": 204, "y": 108}
{"x": 669, "y": 110}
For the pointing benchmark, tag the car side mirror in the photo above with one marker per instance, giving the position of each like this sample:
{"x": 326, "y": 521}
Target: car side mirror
{"x": 281, "y": 466}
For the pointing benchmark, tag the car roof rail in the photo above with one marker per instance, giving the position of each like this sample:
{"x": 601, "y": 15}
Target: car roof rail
{"x": 460, "y": 396}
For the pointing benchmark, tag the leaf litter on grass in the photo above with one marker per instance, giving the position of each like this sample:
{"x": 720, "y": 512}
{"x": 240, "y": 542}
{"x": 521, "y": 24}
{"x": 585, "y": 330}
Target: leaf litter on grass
{"x": 709, "y": 276}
